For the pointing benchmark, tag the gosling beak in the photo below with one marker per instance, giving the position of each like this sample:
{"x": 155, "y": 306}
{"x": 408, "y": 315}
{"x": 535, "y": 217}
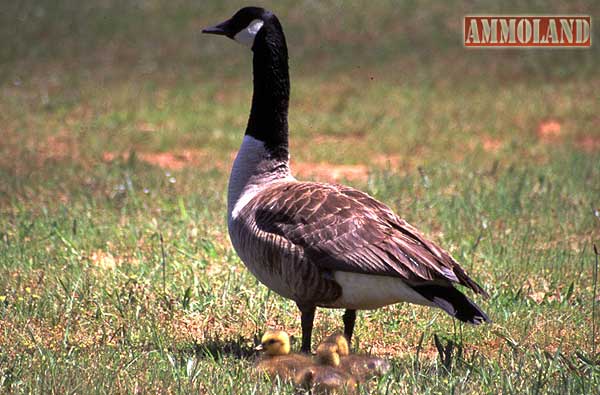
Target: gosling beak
{"x": 259, "y": 347}
{"x": 221, "y": 29}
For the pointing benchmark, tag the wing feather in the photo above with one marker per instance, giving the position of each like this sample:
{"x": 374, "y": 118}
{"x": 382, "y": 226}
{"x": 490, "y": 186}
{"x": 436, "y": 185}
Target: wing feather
{"x": 341, "y": 228}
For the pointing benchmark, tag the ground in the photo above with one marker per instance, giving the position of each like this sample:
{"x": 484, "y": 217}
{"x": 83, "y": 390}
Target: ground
{"x": 119, "y": 122}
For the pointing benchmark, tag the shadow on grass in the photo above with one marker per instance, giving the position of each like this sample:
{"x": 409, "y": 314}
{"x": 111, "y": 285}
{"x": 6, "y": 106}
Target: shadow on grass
{"x": 217, "y": 349}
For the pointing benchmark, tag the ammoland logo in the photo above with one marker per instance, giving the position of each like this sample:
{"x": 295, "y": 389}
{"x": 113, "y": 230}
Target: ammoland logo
{"x": 527, "y": 31}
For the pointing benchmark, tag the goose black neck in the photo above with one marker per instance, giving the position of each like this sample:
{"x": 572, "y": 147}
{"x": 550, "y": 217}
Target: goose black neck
{"x": 270, "y": 100}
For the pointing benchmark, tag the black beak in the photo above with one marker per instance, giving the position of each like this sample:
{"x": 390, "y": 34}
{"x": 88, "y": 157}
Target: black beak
{"x": 220, "y": 29}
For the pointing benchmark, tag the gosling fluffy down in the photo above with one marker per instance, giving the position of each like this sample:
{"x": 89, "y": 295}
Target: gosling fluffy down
{"x": 276, "y": 360}
{"x": 362, "y": 367}
{"x": 326, "y": 377}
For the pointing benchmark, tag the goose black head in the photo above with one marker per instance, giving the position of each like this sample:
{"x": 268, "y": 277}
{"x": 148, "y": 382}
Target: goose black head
{"x": 243, "y": 26}
{"x": 261, "y": 31}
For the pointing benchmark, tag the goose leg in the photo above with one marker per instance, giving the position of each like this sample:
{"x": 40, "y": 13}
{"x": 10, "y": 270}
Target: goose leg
{"x": 307, "y": 318}
{"x": 349, "y": 319}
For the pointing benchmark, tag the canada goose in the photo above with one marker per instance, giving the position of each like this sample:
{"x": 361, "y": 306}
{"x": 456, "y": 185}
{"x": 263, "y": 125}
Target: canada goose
{"x": 277, "y": 360}
{"x": 363, "y": 367}
{"x": 326, "y": 376}
{"x": 321, "y": 244}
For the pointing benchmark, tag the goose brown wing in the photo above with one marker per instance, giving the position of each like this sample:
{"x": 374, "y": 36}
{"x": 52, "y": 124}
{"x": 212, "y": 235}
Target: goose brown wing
{"x": 440, "y": 255}
{"x": 340, "y": 228}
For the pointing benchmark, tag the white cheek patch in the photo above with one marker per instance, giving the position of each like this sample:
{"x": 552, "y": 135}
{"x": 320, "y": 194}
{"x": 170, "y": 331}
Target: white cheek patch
{"x": 246, "y": 36}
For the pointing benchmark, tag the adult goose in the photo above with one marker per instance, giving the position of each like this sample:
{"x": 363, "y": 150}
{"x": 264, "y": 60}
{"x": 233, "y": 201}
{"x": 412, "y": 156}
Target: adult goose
{"x": 321, "y": 244}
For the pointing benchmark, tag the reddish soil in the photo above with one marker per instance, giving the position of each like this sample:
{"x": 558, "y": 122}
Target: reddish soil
{"x": 328, "y": 172}
{"x": 491, "y": 144}
{"x": 176, "y": 160}
{"x": 589, "y": 143}
{"x": 549, "y": 131}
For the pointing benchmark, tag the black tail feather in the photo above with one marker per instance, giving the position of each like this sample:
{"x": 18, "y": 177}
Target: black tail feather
{"x": 453, "y": 302}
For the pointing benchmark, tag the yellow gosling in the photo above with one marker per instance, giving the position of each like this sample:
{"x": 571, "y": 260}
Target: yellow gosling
{"x": 326, "y": 377}
{"x": 276, "y": 360}
{"x": 363, "y": 367}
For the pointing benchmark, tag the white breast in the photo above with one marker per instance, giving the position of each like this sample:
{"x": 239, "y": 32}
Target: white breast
{"x": 365, "y": 292}
{"x": 252, "y": 172}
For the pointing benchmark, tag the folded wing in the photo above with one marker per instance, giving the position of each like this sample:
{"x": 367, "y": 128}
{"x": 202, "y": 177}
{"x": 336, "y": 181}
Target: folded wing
{"x": 341, "y": 228}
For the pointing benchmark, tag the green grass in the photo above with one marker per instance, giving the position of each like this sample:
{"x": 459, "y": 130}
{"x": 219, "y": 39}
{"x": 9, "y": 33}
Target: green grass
{"x": 118, "y": 122}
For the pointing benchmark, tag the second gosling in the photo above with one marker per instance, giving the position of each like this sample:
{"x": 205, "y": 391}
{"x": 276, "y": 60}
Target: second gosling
{"x": 326, "y": 377}
{"x": 363, "y": 367}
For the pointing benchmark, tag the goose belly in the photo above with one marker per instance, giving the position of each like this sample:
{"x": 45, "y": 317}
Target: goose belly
{"x": 262, "y": 259}
{"x": 365, "y": 292}
{"x": 267, "y": 271}
{"x": 272, "y": 279}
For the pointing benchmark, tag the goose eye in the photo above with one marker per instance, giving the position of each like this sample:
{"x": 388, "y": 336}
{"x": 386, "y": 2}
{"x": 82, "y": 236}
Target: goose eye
{"x": 272, "y": 341}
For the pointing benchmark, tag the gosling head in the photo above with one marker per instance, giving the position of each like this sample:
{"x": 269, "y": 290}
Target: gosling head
{"x": 328, "y": 354}
{"x": 341, "y": 342}
{"x": 274, "y": 343}
{"x": 245, "y": 25}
